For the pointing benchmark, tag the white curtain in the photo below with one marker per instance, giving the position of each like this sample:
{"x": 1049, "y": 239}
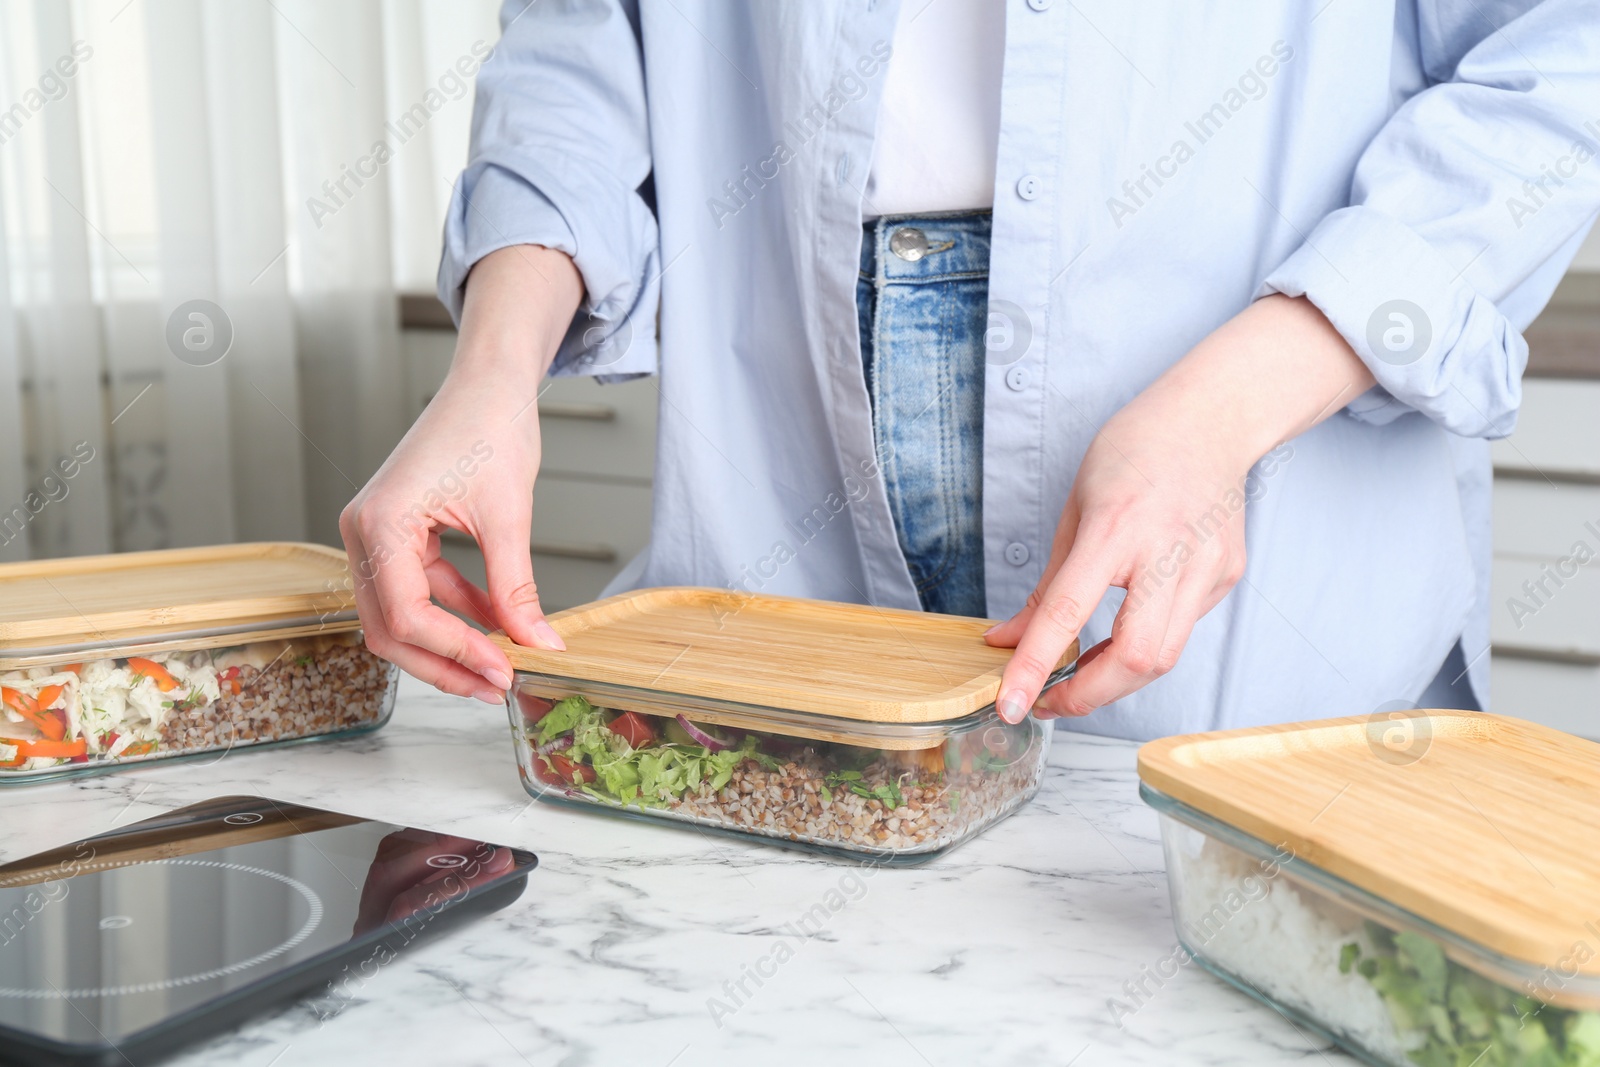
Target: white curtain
{"x": 155, "y": 153}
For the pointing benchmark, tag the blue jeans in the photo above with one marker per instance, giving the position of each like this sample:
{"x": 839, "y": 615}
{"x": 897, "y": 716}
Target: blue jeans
{"x": 922, "y": 299}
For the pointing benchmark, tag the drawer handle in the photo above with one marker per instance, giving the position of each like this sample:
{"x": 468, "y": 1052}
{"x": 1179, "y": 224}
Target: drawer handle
{"x": 564, "y": 549}
{"x": 1559, "y": 477}
{"x": 594, "y": 553}
{"x": 1574, "y": 657}
{"x": 586, "y": 412}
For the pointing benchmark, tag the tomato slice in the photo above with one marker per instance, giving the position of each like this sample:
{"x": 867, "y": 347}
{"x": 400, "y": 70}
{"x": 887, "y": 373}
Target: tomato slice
{"x": 576, "y": 773}
{"x": 533, "y": 708}
{"x": 633, "y": 728}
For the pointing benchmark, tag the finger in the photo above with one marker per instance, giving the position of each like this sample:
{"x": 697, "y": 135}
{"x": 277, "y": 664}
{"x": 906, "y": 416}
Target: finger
{"x": 417, "y": 635}
{"x": 512, "y": 592}
{"x": 445, "y": 675}
{"x": 1133, "y": 659}
{"x": 450, "y": 588}
{"x": 1074, "y": 592}
{"x": 1194, "y": 600}
{"x": 442, "y": 674}
{"x": 1046, "y": 708}
{"x": 1009, "y": 632}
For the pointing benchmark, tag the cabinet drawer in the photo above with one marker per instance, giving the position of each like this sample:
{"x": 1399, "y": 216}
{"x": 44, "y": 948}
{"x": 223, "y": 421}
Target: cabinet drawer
{"x": 1531, "y": 613}
{"x": 589, "y": 428}
{"x": 1557, "y": 432}
{"x": 1533, "y": 517}
{"x": 1565, "y": 696}
{"x": 597, "y": 521}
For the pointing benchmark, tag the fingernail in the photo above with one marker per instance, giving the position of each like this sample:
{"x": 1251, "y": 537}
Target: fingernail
{"x": 990, "y": 631}
{"x": 1013, "y": 707}
{"x": 548, "y": 637}
{"x": 499, "y": 678}
{"x": 490, "y": 696}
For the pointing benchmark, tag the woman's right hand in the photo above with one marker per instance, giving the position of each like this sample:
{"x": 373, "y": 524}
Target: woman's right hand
{"x": 467, "y": 464}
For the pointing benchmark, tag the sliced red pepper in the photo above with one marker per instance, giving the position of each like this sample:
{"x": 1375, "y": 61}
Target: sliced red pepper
{"x": 229, "y": 680}
{"x": 53, "y": 726}
{"x": 18, "y": 701}
{"x": 74, "y": 668}
{"x": 633, "y": 728}
{"x": 49, "y": 748}
{"x": 149, "y": 668}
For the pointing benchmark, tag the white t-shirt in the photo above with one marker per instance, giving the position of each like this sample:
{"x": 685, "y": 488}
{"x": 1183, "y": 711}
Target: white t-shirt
{"x": 939, "y": 123}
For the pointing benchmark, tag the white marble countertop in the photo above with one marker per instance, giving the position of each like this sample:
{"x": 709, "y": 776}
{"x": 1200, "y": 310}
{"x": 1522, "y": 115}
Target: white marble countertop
{"x": 1007, "y": 950}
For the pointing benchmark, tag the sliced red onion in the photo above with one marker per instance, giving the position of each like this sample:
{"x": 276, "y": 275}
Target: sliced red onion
{"x": 554, "y": 746}
{"x": 701, "y": 737}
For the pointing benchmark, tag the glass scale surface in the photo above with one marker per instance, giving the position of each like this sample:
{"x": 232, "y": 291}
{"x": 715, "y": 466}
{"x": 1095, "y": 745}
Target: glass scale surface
{"x": 123, "y": 947}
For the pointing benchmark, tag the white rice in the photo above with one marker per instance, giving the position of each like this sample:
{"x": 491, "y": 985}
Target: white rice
{"x": 1284, "y": 939}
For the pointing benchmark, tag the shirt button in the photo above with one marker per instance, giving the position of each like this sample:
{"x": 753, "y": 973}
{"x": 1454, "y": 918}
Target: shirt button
{"x": 1016, "y": 553}
{"x": 1029, "y": 186}
{"x": 1017, "y": 379}
{"x": 1039, "y": 5}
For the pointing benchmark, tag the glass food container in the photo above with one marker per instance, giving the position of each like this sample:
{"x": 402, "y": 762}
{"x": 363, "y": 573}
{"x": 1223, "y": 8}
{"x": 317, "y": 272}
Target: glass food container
{"x": 1422, "y": 888}
{"x": 849, "y": 730}
{"x": 117, "y": 659}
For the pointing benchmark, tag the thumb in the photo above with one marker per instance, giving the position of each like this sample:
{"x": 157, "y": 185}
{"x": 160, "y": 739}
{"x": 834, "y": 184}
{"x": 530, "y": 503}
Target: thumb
{"x": 512, "y": 591}
{"x": 1006, "y": 634}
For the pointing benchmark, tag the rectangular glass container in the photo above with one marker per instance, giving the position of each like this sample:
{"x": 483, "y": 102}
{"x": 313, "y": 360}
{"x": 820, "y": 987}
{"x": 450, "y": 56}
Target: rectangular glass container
{"x": 890, "y": 792}
{"x": 1390, "y": 986}
{"x": 855, "y": 730}
{"x": 177, "y": 654}
{"x": 110, "y": 706}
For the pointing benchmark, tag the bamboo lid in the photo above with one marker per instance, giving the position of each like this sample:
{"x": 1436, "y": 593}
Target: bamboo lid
{"x": 1484, "y": 825}
{"x": 92, "y": 599}
{"x": 852, "y": 661}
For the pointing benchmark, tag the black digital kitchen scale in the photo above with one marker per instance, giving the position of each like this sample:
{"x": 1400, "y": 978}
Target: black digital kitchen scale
{"x": 120, "y": 948}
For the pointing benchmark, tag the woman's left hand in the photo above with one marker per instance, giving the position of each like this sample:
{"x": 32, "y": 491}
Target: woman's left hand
{"x": 1158, "y": 505}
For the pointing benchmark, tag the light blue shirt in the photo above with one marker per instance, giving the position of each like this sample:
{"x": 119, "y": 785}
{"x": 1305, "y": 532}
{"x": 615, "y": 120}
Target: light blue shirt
{"x": 1421, "y": 175}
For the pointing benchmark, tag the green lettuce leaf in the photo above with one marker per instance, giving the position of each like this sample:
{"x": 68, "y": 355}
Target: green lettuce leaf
{"x": 1463, "y": 1019}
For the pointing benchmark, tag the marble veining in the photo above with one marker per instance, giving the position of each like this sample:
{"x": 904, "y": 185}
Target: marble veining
{"x": 658, "y": 946}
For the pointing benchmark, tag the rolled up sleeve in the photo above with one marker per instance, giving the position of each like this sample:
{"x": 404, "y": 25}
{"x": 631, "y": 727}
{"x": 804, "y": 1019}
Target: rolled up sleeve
{"x": 1463, "y": 198}
{"x": 559, "y": 150}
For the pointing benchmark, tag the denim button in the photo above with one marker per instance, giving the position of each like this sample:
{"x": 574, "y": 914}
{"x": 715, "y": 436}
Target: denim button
{"x": 1016, "y": 553}
{"x": 909, "y": 243}
{"x": 1029, "y": 186}
{"x": 1039, "y": 5}
{"x": 1017, "y": 379}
